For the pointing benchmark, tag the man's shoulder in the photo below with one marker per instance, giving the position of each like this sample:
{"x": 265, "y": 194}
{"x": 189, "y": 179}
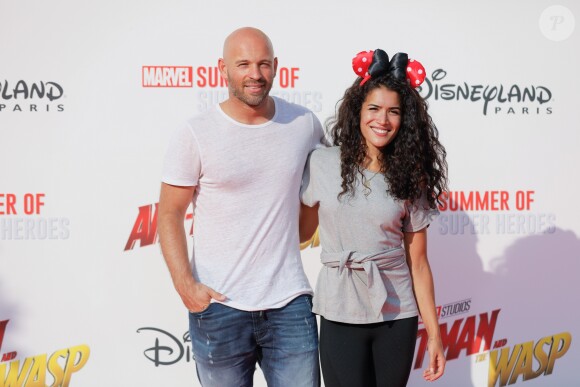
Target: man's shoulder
{"x": 285, "y": 105}
{"x": 201, "y": 116}
{"x": 200, "y": 121}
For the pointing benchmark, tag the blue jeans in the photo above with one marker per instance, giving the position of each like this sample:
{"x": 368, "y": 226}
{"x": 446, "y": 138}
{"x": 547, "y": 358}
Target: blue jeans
{"x": 226, "y": 344}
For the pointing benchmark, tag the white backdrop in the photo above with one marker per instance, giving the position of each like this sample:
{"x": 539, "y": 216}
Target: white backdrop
{"x": 85, "y": 297}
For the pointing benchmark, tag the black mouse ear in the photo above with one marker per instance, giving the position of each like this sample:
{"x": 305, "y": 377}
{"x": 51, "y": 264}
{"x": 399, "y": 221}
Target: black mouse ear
{"x": 380, "y": 63}
{"x": 398, "y": 65}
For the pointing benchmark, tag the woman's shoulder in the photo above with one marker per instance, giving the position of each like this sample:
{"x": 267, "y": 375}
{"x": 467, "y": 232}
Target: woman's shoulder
{"x": 324, "y": 160}
{"x": 325, "y": 154}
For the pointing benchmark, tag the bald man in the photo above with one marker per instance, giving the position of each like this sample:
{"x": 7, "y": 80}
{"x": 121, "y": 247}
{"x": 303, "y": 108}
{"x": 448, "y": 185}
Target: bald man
{"x": 240, "y": 164}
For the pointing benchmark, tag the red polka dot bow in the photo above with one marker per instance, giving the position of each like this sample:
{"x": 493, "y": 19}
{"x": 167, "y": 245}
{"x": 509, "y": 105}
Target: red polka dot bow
{"x": 367, "y": 64}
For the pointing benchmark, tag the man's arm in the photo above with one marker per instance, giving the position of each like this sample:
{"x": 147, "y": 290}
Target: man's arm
{"x": 173, "y": 203}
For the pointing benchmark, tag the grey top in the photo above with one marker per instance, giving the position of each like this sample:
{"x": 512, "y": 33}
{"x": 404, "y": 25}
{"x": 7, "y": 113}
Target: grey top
{"x": 365, "y": 277}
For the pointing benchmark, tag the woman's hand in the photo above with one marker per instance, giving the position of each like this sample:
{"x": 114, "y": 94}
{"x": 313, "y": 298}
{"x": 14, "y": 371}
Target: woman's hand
{"x": 436, "y": 360}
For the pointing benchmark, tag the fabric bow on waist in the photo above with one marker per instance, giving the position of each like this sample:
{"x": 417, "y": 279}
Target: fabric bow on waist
{"x": 371, "y": 263}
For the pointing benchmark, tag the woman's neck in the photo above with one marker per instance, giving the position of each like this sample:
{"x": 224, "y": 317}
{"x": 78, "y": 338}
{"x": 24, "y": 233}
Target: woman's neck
{"x": 372, "y": 163}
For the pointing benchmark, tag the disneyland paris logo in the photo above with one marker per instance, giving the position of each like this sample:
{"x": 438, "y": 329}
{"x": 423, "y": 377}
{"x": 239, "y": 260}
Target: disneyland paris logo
{"x": 25, "y": 96}
{"x": 496, "y": 99}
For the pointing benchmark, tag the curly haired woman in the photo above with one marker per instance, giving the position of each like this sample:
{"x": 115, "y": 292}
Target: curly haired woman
{"x": 375, "y": 193}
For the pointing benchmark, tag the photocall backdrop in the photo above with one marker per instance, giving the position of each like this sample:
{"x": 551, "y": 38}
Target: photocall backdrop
{"x": 90, "y": 93}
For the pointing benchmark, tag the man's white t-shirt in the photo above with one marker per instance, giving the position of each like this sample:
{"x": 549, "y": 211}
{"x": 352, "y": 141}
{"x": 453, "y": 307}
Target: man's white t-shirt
{"x": 246, "y": 201}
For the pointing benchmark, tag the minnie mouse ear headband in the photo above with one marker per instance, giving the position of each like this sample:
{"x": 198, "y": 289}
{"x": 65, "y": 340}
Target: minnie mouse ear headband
{"x": 367, "y": 64}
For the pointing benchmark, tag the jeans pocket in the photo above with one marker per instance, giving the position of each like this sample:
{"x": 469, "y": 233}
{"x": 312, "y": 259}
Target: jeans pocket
{"x": 202, "y": 312}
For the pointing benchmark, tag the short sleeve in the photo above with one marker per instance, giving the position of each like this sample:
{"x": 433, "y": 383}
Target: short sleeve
{"x": 308, "y": 194}
{"x": 182, "y": 163}
{"x": 319, "y": 140}
{"x": 418, "y": 215}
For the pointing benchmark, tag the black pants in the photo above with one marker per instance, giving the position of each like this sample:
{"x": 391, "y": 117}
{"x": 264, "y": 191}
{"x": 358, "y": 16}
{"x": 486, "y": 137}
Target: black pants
{"x": 367, "y": 355}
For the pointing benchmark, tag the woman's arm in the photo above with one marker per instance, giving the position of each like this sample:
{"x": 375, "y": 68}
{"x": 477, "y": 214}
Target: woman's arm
{"x": 308, "y": 221}
{"x": 416, "y": 249}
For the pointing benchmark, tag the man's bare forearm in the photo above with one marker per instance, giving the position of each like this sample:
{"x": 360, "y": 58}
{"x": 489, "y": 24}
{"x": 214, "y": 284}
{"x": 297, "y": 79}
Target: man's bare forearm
{"x": 174, "y": 248}
{"x": 173, "y": 203}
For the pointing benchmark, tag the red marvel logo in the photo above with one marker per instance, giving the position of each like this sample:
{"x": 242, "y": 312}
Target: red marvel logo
{"x": 167, "y": 76}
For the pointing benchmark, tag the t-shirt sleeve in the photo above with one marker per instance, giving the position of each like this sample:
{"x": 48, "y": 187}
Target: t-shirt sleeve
{"x": 308, "y": 194}
{"x": 182, "y": 163}
{"x": 419, "y": 215}
{"x": 319, "y": 140}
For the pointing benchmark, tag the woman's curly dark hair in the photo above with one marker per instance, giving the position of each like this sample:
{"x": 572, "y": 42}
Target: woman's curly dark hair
{"x": 413, "y": 163}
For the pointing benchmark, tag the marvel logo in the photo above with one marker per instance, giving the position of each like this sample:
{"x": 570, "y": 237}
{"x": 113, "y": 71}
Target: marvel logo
{"x": 167, "y": 76}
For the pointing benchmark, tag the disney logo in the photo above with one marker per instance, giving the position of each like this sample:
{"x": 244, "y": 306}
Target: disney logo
{"x": 432, "y": 88}
{"x": 167, "y": 349}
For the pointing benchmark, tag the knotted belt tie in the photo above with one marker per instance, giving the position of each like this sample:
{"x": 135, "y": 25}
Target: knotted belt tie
{"x": 371, "y": 263}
